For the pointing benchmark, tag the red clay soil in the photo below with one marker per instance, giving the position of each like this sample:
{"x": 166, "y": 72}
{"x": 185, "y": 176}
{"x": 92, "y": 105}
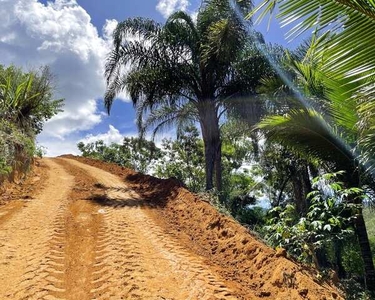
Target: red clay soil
{"x": 239, "y": 257}
{"x": 24, "y": 186}
{"x": 14, "y": 195}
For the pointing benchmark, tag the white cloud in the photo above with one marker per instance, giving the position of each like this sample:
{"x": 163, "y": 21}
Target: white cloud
{"x": 113, "y": 135}
{"x": 167, "y": 7}
{"x": 57, "y": 147}
{"x": 60, "y": 35}
{"x": 108, "y": 29}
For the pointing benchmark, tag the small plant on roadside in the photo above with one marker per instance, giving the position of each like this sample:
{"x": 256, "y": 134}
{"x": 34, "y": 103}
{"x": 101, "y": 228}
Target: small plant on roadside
{"x": 354, "y": 290}
{"x": 40, "y": 151}
{"x": 5, "y": 169}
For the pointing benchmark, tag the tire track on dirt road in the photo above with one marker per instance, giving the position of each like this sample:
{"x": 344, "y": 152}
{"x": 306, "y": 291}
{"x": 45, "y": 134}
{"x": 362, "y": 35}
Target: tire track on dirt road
{"x": 30, "y": 242}
{"x": 135, "y": 259}
{"x": 82, "y": 222}
{"x": 87, "y": 236}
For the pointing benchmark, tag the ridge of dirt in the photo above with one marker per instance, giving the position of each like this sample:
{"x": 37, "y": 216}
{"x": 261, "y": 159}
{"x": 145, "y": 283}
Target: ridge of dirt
{"x": 15, "y": 195}
{"x": 137, "y": 259}
{"x": 79, "y": 227}
{"x": 254, "y": 267}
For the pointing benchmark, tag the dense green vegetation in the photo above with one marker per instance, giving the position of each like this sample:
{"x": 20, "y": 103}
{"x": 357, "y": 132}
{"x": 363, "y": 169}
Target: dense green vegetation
{"x": 134, "y": 153}
{"x": 26, "y": 102}
{"x": 294, "y": 129}
{"x": 335, "y": 123}
{"x": 183, "y": 160}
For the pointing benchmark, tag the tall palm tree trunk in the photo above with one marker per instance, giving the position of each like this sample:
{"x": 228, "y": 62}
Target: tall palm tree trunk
{"x": 299, "y": 199}
{"x": 218, "y": 166}
{"x": 212, "y": 144}
{"x": 301, "y": 187}
{"x": 364, "y": 244}
{"x": 361, "y": 233}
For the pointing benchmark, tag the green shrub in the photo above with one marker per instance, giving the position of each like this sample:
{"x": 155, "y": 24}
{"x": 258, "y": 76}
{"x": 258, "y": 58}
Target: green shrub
{"x": 352, "y": 259}
{"x": 355, "y": 291}
{"x": 328, "y": 220}
{"x": 25, "y": 104}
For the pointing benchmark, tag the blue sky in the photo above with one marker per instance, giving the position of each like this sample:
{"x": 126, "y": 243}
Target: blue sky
{"x": 73, "y": 38}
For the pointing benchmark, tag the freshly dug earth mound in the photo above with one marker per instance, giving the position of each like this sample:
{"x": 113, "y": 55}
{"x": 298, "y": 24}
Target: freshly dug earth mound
{"x": 240, "y": 258}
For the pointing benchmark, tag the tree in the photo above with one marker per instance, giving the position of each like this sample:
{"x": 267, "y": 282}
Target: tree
{"x": 325, "y": 129}
{"x": 140, "y": 155}
{"x": 346, "y": 44}
{"x": 285, "y": 175}
{"x": 183, "y": 71}
{"x": 240, "y": 188}
{"x": 183, "y": 159}
{"x": 329, "y": 219}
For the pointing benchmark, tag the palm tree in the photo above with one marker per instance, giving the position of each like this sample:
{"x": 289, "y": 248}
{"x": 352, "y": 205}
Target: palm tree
{"x": 182, "y": 71}
{"x": 325, "y": 129}
{"x": 348, "y": 39}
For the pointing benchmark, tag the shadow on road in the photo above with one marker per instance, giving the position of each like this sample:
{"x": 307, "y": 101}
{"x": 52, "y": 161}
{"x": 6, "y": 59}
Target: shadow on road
{"x": 117, "y": 202}
{"x": 151, "y": 193}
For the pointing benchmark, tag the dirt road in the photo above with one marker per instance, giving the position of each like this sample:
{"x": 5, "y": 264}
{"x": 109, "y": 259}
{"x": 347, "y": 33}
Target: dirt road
{"x": 86, "y": 235}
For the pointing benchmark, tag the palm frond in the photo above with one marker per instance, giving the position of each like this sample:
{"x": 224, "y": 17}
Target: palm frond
{"x": 183, "y": 17}
{"x": 350, "y": 46}
{"x": 224, "y": 40}
{"x": 305, "y": 131}
{"x": 330, "y": 95}
{"x": 166, "y": 116}
{"x": 135, "y": 27}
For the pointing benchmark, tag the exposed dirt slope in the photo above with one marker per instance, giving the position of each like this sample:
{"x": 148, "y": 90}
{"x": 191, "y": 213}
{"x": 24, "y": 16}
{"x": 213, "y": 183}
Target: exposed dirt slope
{"x": 256, "y": 270}
{"x": 143, "y": 262}
{"x": 15, "y": 195}
{"x": 83, "y": 232}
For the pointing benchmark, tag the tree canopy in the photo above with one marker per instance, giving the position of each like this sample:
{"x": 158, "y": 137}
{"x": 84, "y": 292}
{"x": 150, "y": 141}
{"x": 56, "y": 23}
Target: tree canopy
{"x": 183, "y": 72}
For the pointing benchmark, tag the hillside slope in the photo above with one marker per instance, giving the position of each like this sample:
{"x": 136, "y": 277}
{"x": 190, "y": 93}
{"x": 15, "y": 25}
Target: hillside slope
{"x": 83, "y": 229}
{"x": 256, "y": 270}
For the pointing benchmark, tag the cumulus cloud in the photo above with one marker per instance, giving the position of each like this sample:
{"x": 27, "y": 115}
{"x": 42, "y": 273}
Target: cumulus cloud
{"x": 113, "y": 135}
{"x": 59, "y": 34}
{"x": 108, "y": 29}
{"x": 55, "y": 148}
{"x": 167, "y": 7}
